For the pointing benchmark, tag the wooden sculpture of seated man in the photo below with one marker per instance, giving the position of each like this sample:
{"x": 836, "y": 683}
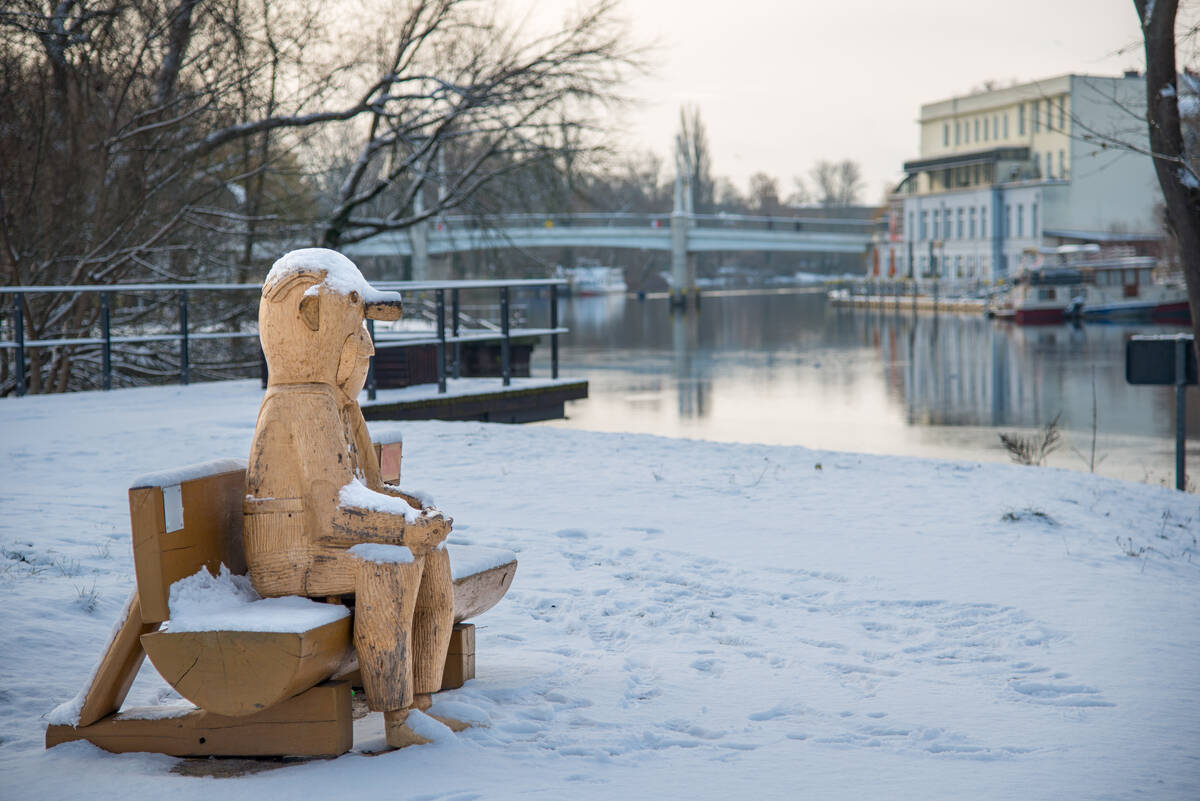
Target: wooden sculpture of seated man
{"x": 319, "y": 521}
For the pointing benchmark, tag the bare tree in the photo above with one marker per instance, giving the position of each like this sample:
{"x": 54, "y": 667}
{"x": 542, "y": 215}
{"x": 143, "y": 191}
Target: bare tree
{"x": 463, "y": 101}
{"x": 825, "y": 182}
{"x": 695, "y": 141}
{"x": 800, "y": 194}
{"x": 849, "y": 183}
{"x": 1173, "y": 163}
{"x": 837, "y": 184}
{"x": 167, "y": 140}
{"x": 764, "y": 194}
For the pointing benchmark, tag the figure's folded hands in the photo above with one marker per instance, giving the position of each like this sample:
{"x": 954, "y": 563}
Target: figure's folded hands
{"x": 428, "y": 531}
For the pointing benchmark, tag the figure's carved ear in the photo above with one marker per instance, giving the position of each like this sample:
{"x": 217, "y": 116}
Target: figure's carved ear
{"x": 310, "y": 311}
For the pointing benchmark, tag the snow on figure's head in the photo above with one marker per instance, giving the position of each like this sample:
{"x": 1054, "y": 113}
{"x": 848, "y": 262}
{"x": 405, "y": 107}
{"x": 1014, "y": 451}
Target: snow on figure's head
{"x": 310, "y": 319}
{"x": 335, "y": 273}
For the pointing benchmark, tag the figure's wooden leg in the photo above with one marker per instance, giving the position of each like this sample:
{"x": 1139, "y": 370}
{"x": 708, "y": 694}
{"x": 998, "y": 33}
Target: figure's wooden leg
{"x": 433, "y": 623}
{"x": 385, "y": 600}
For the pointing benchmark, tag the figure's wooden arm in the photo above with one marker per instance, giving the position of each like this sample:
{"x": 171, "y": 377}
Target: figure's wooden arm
{"x": 352, "y": 525}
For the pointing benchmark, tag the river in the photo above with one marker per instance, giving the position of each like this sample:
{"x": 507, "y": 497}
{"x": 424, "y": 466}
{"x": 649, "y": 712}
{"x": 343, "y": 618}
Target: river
{"x": 788, "y": 368}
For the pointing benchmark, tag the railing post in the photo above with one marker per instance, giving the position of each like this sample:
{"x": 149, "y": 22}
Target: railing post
{"x": 441, "y": 345}
{"x": 19, "y": 336}
{"x": 454, "y": 309}
{"x": 554, "y": 327}
{"x": 371, "y": 364}
{"x": 183, "y": 338}
{"x": 106, "y": 331}
{"x": 1182, "y": 344}
{"x": 505, "y": 351}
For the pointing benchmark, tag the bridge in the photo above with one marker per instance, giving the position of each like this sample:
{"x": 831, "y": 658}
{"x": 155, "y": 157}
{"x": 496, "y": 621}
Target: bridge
{"x": 681, "y": 232}
{"x": 705, "y": 233}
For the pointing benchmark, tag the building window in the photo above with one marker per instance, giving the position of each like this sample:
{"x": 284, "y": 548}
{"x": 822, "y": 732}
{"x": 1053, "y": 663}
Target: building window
{"x": 983, "y": 232}
{"x": 1062, "y": 165}
{"x": 1062, "y": 114}
{"x": 958, "y": 231}
{"x": 924, "y": 220}
{"x": 957, "y": 133}
{"x": 945, "y": 223}
{"x": 971, "y": 233}
{"x": 976, "y": 129}
{"x": 910, "y": 230}
{"x": 946, "y": 133}
{"x": 1020, "y": 220}
{"x": 1021, "y": 120}
{"x": 1007, "y": 220}
{"x": 1037, "y": 164}
{"x": 995, "y": 126}
{"x": 1035, "y": 110}
{"x": 1006, "y": 125}
{"x": 1034, "y": 227}
{"x": 1049, "y": 164}
{"x": 1049, "y": 112}
{"x": 985, "y": 129}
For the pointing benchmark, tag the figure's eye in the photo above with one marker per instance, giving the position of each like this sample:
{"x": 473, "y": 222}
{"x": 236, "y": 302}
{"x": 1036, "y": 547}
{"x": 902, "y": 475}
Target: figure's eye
{"x": 353, "y": 297}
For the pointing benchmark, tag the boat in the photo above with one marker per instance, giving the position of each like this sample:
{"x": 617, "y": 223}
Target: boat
{"x": 593, "y": 279}
{"x": 1081, "y": 281}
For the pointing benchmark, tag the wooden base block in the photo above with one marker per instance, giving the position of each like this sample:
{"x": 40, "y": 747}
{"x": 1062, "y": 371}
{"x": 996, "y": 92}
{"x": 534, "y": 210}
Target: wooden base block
{"x": 460, "y": 657}
{"x": 314, "y": 723}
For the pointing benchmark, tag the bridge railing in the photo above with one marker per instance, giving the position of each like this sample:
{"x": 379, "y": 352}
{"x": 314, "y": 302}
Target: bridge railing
{"x": 641, "y": 220}
{"x": 148, "y": 319}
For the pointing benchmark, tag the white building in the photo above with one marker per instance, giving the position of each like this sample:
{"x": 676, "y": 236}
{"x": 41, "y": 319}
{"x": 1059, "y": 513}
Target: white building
{"x": 1004, "y": 171}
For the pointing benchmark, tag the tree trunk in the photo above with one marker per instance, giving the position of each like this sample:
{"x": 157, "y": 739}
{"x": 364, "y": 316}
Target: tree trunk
{"x": 1181, "y": 190}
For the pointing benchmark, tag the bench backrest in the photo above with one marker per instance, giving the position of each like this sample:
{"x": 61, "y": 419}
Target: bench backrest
{"x": 190, "y": 518}
{"x": 182, "y": 521}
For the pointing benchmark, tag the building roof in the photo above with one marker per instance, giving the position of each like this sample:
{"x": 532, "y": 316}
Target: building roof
{"x": 989, "y": 156}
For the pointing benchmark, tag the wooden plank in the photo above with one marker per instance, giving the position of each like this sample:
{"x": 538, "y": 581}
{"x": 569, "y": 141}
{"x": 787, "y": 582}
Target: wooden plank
{"x": 211, "y": 536}
{"x": 390, "y": 454}
{"x": 243, "y": 672}
{"x": 517, "y": 403}
{"x": 315, "y": 723}
{"x": 460, "y": 657}
{"x": 479, "y": 592}
{"x": 118, "y": 667}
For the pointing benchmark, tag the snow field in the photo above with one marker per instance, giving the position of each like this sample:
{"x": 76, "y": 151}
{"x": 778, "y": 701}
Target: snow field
{"x": 689, "y": 619}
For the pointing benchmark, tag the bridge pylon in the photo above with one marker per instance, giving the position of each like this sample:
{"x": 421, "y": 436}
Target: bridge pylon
{"x": 683, "y": 267}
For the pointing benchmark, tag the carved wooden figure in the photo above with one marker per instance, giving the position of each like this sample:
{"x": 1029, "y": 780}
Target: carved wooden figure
{"x": 314, "y": 488}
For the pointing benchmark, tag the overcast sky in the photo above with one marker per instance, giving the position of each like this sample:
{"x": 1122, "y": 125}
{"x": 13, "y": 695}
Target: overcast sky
{"x": 782, "y": 84}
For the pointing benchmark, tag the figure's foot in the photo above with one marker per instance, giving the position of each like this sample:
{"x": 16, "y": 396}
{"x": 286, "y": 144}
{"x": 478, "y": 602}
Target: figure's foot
{"x": 397, "y": 732}
{"x": 422, "y": 701}
{"x": 453, "y": 724}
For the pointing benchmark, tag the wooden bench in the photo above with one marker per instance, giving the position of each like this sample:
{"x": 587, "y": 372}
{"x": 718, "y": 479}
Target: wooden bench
{"x": 256, "y": 692}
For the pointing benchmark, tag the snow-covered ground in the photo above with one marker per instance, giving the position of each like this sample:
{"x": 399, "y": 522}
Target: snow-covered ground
{"x": 689, "y": 620}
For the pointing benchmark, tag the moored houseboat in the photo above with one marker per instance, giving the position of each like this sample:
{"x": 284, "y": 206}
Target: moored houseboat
{"x": 1081, "y": 281}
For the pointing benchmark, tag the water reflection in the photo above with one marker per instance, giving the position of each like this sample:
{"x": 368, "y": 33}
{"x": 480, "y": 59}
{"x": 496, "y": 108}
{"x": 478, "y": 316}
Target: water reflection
{"x": 692, "y": 383}
{"x": 787, "y": 368}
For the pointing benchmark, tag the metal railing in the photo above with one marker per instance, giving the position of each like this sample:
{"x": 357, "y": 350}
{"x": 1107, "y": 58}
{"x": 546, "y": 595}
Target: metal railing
{"x": 808, "y": 223}
{"x": 449, "y": 337}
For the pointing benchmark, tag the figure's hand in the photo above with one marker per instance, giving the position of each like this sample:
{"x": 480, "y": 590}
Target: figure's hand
{"x": 429, "y": 530}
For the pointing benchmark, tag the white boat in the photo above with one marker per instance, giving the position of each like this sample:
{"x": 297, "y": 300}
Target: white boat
{"x": 1081, "y": 281}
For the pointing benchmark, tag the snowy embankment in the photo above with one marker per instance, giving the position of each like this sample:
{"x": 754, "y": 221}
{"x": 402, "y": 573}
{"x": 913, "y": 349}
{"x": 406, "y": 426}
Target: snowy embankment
{"x": 689, "y": 619}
